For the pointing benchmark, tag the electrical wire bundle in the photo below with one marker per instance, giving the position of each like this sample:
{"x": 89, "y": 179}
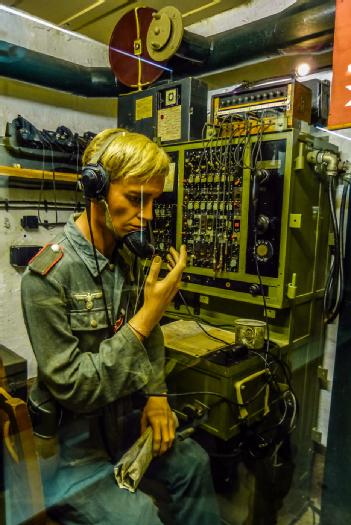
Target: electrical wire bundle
{"x": 220, "y": 166}
{"x": 229, "y": 163}
{"x": 334, "y": 288}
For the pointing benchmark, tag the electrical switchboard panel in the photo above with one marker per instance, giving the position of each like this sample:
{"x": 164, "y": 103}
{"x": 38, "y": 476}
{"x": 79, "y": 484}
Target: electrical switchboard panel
{"x": 212, "y": 192}
{"x": 253, "y": 216}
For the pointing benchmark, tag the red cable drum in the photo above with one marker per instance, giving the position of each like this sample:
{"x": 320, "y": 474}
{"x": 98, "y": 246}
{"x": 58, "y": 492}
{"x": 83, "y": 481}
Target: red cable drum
{"x": 129, "y": 58}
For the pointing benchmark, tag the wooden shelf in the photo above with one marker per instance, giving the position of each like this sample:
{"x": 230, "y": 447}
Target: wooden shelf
{"x": 27, "y": 173}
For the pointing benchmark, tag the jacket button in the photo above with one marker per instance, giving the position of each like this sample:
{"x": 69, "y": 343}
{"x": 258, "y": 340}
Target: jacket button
{"x": 93, "y": 323}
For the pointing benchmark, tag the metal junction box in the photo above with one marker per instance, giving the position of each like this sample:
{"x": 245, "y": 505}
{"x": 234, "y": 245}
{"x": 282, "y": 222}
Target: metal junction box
{"x": 236, "y": 381}
{"x": 172, "y": 112}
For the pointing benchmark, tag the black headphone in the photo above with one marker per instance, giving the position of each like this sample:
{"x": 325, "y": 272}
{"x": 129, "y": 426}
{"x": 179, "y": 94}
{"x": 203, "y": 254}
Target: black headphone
{"x": 95, "y": 182}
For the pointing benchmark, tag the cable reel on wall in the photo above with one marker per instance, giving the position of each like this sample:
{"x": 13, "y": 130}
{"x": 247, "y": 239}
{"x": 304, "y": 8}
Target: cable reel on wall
{"x": 144, "y": 40}
{"x": 128, "y": 51}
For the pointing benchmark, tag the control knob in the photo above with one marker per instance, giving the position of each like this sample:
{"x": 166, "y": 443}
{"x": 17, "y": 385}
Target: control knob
{"x": 254, "y": 289}
{"x": 262, "y": 224}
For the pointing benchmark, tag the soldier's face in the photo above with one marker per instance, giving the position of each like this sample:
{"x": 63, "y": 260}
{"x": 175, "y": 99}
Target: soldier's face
{"x": 131, "y": 203}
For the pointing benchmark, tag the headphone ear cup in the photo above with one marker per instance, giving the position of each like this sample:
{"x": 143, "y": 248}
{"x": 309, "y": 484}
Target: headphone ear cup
{"x": 94, "y": 182}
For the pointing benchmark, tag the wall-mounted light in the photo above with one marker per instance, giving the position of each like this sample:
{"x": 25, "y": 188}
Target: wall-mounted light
{"x": 303, "y": 69}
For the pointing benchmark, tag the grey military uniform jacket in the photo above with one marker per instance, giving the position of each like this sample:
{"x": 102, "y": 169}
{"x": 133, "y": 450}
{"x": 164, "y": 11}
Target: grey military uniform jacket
{"x": 87, "y": 370}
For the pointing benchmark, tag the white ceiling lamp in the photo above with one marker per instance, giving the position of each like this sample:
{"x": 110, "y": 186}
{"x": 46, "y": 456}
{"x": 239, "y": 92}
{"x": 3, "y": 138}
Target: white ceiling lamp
{"x": 303, "y": 69}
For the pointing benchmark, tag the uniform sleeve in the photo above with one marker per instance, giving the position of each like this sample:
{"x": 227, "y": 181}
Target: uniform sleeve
{"x": 81, "y": 381}
{"x": 155, "y": 348}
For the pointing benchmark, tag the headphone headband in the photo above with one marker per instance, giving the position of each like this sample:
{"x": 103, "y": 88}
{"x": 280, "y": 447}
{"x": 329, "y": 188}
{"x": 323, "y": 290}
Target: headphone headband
{"x": 105, "y": 145}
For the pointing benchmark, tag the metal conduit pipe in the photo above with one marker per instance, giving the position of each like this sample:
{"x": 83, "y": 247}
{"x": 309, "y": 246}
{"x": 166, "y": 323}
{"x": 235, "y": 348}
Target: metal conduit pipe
{"x": 22, "y": 64}
{"x": 329, "y": 159}
{"x": 196, "y": 55}
{"x": 255, "y": 40}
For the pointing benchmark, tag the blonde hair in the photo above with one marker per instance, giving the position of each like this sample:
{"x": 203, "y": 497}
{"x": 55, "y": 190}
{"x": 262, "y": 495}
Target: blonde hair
{"x": 127, "y": 156}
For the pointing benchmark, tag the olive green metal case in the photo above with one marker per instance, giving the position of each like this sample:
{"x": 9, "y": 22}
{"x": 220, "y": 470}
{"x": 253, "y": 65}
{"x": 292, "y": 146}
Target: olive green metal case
{"x": 292, "y": 258}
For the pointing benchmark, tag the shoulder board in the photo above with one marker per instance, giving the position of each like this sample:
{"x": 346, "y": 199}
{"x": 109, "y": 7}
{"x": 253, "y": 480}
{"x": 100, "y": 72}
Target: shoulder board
{"x": 46, "y": 258}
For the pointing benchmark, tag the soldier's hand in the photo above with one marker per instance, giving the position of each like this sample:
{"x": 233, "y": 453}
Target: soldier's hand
{"x": 162, "y": 291}
{"x": 157, "y": 414}
{"x": 159, "y": 293}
